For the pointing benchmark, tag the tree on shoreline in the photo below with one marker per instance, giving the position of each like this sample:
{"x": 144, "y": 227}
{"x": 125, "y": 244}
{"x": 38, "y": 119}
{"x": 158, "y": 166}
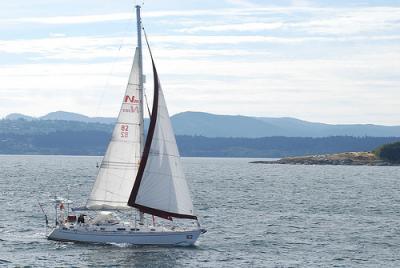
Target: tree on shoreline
{"x": 389, "y": 152}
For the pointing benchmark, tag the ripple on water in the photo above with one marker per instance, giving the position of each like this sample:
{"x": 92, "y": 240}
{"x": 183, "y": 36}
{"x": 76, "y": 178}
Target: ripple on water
{"x": 256, "y": 216}
{"x": 4, "y": 261}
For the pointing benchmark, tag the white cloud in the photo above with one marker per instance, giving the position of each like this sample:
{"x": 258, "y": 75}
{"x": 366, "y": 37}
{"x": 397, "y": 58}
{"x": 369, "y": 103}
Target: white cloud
{"x": 353, "y": 21}
{"x": 301, "y": 3}
{"x": 242, "y": 3}
{"x": 253, "y": 88}
{"x": 248, "y": 27}
{"x": 97, "y": 47}
{"x": 243, "y": 39}
{"x": 326, "y": 64}
{"x": 318, "y": 21}
{"x": 69, "y": 48}
{"x": 176, "y": 14}
{"x": 73, "y": 19}
{"x": 321, "y": 21}
{"x": 122, "y": 16}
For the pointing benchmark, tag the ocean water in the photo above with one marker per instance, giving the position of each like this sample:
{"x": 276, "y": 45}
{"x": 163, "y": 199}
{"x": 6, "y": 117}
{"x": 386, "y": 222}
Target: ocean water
{"x": 256, "y": 216}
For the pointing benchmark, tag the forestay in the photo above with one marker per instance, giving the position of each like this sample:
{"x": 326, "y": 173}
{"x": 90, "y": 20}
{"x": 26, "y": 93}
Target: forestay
{"x": 119, "y": 167}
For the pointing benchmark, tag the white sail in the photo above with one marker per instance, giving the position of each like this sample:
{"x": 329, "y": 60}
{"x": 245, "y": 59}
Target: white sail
{"x": 162, "y": 190}
{"x": 119, "y": 167}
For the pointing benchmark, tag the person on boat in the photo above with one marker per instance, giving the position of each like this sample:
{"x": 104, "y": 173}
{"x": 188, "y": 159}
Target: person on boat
{"x": 81, "y": 218}
{"x": 61, "y": 217}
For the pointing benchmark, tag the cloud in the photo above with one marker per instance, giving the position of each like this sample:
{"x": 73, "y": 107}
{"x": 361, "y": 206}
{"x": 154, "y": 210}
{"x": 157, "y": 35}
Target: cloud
{"x": 243, "y": 27}
{"x": 177, "y": 14}
{"x": 68, "y": 48}
{"x": 325, "y": 63}
{"x": 99, "y": 47}
{"x": 73, "y": 19}
{"x": 354, "y": 21}
{"x": 339, "y": 21}
{"x": 243, "y": 39}
{"x": 242, "y": 3}
{"x": 301, "y": 3}
{"x": 254, "y": 88}
{"x": 121, "y": 16}
{"x": 76, "y": 49}
{"x": 313, "y": 20}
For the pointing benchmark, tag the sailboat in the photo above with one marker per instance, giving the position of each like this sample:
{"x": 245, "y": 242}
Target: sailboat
{"x": 136, "y": 173}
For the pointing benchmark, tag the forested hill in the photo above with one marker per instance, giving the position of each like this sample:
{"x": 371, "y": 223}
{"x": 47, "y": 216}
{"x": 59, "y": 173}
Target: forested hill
{"x": 276, "y": 146}
{"x": 80, "y": 138}
{"x": 214, "y": 125}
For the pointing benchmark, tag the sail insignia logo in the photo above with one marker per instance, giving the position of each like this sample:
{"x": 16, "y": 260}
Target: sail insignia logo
{"x": 130, "y": 109}
{"x": 131, "y": 99}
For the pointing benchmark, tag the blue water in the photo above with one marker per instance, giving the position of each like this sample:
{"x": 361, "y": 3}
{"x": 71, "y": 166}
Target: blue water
{"x": 256, "y": 215}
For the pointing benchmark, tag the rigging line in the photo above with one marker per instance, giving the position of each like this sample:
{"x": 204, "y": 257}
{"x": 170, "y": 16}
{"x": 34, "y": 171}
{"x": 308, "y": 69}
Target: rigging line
{"x": 147, "y": 42}
{"x": 144, "y": 91}
{"x": 147, "y": 104}
{"x": 107, "y": 83}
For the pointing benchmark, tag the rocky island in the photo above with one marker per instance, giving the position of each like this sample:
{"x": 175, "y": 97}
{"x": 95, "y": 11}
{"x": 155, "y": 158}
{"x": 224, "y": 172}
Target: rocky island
{"x": 349, "y": 158}
{"x": 385, "y": 155}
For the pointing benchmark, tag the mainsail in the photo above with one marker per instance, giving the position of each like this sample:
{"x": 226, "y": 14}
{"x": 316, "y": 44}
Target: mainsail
{"x": 120, "y": 164}
{"x": 160, "y": 187}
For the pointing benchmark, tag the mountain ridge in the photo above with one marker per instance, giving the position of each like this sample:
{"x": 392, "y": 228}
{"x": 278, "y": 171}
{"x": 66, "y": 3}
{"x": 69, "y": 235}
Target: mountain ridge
{"x": 62, "y": 115}
{"x": 214, "y": 125}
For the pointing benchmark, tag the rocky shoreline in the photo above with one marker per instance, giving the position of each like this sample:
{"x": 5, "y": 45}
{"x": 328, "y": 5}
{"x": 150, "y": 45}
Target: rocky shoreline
{"x": 349, "y": 158}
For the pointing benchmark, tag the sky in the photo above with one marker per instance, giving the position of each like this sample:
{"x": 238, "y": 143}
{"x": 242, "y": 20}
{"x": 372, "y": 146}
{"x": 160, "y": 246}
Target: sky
{"x": 322, "y": 61}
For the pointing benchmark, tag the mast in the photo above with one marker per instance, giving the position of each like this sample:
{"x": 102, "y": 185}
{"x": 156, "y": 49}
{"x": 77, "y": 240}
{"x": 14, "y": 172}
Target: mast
{"x": 139, "y": 46}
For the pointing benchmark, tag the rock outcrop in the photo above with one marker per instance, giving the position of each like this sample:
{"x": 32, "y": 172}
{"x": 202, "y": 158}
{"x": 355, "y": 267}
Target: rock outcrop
{"x": 349, "y": 158}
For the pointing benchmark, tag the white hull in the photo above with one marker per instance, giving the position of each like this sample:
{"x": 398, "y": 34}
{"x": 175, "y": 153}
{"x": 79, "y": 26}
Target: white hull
{"x": 173, "y": 238}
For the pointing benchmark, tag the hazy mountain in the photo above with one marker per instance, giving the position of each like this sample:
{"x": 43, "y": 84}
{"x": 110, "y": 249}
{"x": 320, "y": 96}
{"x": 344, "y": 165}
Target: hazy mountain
{"x": 67, "y": 116}
{"x": 212, "y": 125}
{"x": 17, "y": 116}
{"x": 299, "y": 128}
{"x": 90, "y": 138}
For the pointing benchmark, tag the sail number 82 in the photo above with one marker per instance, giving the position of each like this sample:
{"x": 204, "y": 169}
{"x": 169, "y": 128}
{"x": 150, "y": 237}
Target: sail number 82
{"x": 124, "y": 131}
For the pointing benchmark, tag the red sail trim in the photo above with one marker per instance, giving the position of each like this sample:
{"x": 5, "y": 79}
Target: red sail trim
{"x": 163, "y": 214}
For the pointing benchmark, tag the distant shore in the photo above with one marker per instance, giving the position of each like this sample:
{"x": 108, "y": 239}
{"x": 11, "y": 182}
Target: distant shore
{"x": 349, "y": 159}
